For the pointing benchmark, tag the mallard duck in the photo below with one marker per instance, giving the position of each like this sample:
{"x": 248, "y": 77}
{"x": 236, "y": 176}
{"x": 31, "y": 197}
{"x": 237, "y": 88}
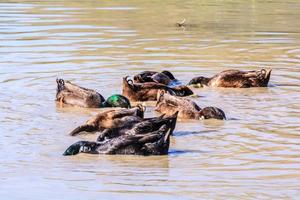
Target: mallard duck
{"x": 235, "y": 79}
{"x": 164, "y": 77}
{"x": 148, "y": 143}
{"x": 72, "y": 94}
{"x": 145, "y": 125}
{"x": 186, "y": 108}
{"x": 111, "y": 118}
{"x": 148, "y": 91}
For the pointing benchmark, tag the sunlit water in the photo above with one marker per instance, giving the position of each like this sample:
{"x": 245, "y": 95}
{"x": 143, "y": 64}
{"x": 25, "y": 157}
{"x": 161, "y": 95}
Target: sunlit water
{"x": 254, "y": 154}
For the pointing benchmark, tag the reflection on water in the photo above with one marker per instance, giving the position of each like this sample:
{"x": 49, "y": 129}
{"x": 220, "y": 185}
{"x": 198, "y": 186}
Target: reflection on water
{"x": 255, "y": 154}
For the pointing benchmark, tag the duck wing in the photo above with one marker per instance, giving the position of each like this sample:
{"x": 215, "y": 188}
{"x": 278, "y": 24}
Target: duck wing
{"x": 241, "y": 79}
{"x": 125, "y": 112}
{"x": 230, "y": 78}
{"x": 176, "y": 102}
{"x": 160, "y": 145}
{"x": 83, "y": 92}
{"x": 142, "y": 144}
{"x": 72, "y": 94}
{"x": 259, "y": 78}
{"x": 161, "y": 78}
{"x": 139, "y": 143}
{"x": 152, "y": 85}
{"x": 145, "y": 76}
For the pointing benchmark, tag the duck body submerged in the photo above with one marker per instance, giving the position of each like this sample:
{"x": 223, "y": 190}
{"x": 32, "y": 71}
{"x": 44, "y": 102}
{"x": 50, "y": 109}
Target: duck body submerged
{"x": 75, "y": 95}
{"x": 148, "y": 143}
{"x": 111, "y": 119}
{"x": 164, "y": 77}
{"x": 148, "y": 91}
{"x": 187, "y": 109}
{"x": 235, "y": 79}
{"x": 143, "y": 126}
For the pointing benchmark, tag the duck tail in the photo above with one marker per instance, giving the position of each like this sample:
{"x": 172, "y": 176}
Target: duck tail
{"x": 164, "y": 142}
{"x": 268, "y": 75}
{"x": 141, "y": 110}
{"x": 60, "y": 85}
{"x": 167, "y": 135}
{"x": 173, "y": 121}
{"x": 86, "y": 128}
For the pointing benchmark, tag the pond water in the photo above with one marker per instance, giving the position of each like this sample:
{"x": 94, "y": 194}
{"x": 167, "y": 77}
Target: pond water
{"x": 253, "y": 155}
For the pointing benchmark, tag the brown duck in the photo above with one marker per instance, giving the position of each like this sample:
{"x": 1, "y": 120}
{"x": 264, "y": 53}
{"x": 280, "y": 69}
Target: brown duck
{"x": 148, "y": 91}
{"x": 187, "y": 109}
{"x": 111, "y": 119}
{"x": 235, "y": 79}
{"x": 75, "y": 95}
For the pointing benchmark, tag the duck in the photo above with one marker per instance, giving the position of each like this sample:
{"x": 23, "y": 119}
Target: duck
{"x": 186, "y": 108}
{"x": 165, "y": 77}
{"x": 235, "y": 79}
{"x": 72, "y": 94}
{"x": 111, "y": 119}
{"x": 145, "y": 144}
{"x": 146, "y": 125}
{"x": 148, "y": 91}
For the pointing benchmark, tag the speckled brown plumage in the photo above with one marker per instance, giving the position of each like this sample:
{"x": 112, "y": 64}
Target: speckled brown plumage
{"x": 111, "y": 119}
{"x": 235, "y": 79}
{"x": 187, "y": 109}
{"x": 148, "y": 91}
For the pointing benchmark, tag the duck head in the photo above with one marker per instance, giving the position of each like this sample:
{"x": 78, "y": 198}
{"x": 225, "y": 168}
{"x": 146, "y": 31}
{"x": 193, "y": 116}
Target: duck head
{"x": 80, "y": 147}
{"x": 263, "y": 77}
{"x": 60, "y": 85}
{"x": 140, "y": 110}
{"x": 211, "y": 112}
{"x": 199, "y": 81}
{"x": 116, "y": 100}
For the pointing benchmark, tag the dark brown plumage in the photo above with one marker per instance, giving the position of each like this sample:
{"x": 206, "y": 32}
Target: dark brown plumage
{"x": 148, "y": 91}
{"x": 144, "y": 126}
{"x": 148, "y": 143}
{"x": 235, "y": 79}
{"x": 164, "y": 77}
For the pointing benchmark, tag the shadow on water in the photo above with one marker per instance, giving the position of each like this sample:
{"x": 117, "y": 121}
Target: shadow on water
{"x": 183, "y": 152}
{"x": 185, "y": 133}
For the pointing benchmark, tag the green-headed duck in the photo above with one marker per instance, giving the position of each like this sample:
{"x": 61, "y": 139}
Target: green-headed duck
{"x": 75, "y": 95}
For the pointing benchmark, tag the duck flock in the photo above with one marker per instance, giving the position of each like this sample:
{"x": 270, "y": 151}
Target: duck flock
{"x": 123, "y": 129}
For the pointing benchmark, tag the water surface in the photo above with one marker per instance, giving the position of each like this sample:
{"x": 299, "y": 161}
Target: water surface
{"x": 255, "y": 154}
